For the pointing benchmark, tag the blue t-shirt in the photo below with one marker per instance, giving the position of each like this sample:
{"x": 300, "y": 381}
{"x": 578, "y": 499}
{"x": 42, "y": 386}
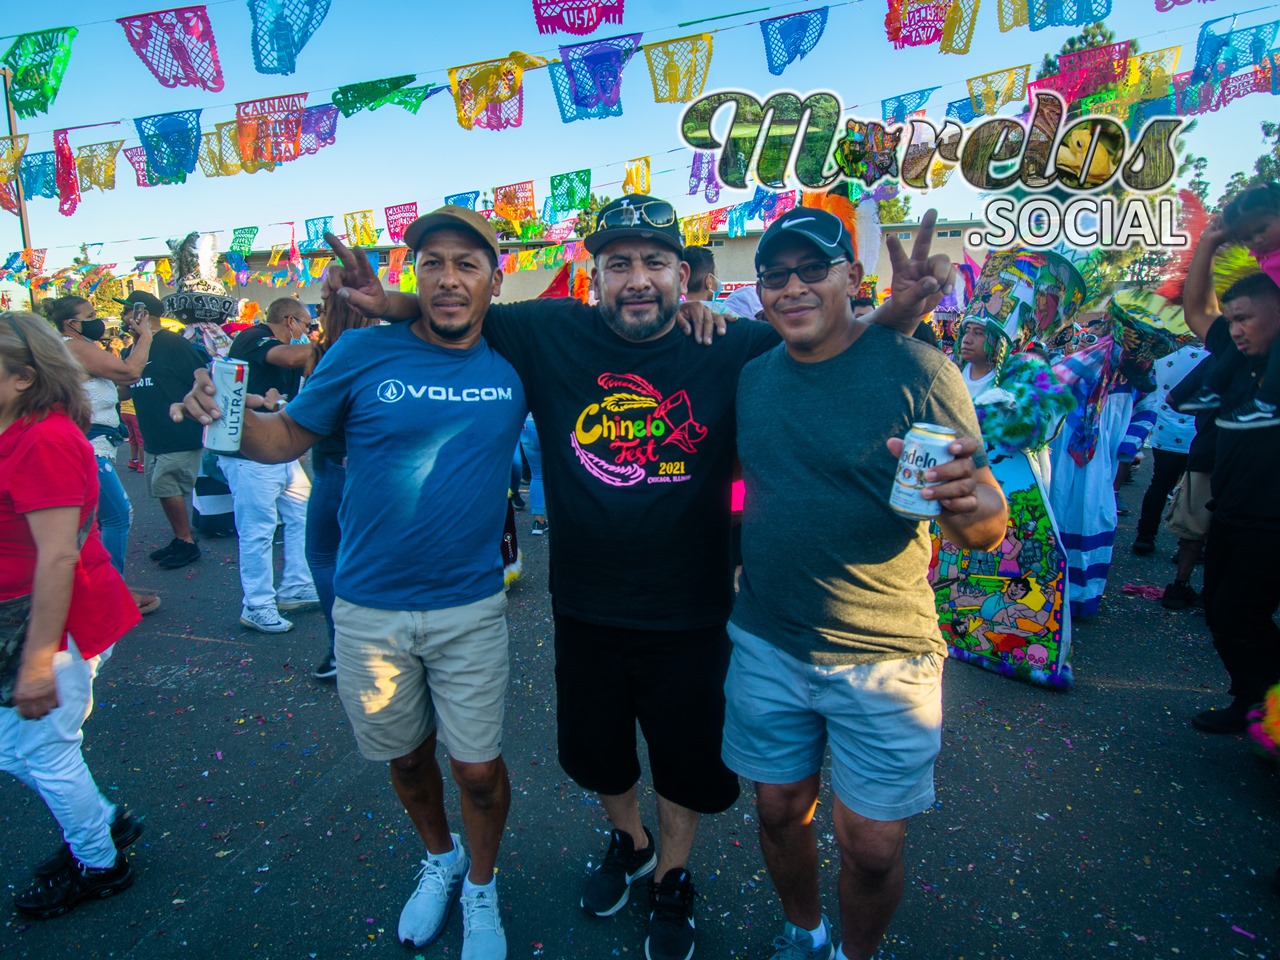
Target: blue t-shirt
{"x": 429, "y": 432}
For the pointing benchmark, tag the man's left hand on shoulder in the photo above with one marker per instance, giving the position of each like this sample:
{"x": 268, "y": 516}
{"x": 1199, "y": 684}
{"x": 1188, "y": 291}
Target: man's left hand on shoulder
{"x": 702, "y": 323}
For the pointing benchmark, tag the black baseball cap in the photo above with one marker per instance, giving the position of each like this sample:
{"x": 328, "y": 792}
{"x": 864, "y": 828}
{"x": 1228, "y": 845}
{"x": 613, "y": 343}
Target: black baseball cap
{"x": 824, "y": 230}
{"x": 636, "y": 215}
{"x": 152, "y": 304}
{"x": 453, "y": 218}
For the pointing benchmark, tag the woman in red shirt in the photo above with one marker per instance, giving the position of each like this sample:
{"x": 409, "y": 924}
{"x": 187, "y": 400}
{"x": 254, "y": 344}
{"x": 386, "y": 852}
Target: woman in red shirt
{"x": 51, "y": 549}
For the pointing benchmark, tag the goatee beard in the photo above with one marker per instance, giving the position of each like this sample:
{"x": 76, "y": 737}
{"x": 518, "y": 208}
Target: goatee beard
{"x": 637, "y": 331}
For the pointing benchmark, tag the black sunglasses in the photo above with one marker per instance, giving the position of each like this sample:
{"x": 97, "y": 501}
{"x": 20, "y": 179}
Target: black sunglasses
{"x": 778, "y": 277}
{"x": 655, "y": 213}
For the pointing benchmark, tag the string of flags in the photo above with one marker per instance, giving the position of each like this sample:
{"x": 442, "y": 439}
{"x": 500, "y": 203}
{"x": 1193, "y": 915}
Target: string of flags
{"x": 179, "y": 49}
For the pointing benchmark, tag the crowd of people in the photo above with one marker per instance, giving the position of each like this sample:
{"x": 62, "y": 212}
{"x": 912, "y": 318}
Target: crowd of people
{"x": 646, "y": 402}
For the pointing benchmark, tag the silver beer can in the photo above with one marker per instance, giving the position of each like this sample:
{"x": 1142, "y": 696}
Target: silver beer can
{"x": 231, "y": 383}
{"x": 925, "y": 446}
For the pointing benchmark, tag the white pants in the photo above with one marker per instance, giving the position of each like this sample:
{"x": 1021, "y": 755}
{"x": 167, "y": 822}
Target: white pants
{"x": 264, "y": 494}
{"x": 45, "y": 755}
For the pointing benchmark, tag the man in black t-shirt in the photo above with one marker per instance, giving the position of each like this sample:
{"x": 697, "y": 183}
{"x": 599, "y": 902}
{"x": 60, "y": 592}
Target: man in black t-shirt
{"x": 173, "y": 450}
{"x": 1242, "y": 567}
{"x": 266, "y": 494}
{"x": 637, "y": 427}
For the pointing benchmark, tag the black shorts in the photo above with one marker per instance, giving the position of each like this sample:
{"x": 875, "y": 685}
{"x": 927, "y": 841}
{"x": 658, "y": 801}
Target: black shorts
{"x": 671, "y": 682}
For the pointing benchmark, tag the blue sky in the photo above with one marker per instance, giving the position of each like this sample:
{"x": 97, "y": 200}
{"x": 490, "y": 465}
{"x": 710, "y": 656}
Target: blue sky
{"x": 391, "y": 156}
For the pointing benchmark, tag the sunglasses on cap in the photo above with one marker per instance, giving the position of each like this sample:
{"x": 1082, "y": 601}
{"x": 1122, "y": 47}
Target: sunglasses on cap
{"x": 654, "y": 213}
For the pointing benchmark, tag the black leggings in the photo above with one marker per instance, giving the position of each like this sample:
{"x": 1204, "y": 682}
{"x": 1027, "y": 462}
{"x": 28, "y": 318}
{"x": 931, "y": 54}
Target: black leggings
{"x": 1168, "y": 468}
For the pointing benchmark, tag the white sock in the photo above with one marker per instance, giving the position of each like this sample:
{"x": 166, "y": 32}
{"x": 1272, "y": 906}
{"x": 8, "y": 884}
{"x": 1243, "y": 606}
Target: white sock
{"x": 471, "y": 889}
{"x": 819, "y": 935}
{"x": 448, "y": 859}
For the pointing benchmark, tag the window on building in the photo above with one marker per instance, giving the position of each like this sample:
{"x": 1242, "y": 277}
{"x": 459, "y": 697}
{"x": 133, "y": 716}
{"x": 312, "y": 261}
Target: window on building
{"x": 951, "y": 233}
{"x": 904, "y": 235}
{"x": 717, "y": 243}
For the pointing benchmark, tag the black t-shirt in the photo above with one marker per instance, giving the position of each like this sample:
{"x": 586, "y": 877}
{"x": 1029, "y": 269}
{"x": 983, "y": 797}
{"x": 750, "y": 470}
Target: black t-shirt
{"x": 638, "y": 445}
{"x": 165, "y": 379}
{"x": 253, "y": 345}
{"x": 1246, "y": 462}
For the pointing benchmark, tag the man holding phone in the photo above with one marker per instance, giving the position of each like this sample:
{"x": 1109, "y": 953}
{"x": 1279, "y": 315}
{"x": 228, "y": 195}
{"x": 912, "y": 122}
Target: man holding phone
{"x": 172, "y": 450}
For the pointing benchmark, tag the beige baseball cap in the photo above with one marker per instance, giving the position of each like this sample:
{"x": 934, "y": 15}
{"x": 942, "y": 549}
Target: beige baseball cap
{"x": 455, "y": 218}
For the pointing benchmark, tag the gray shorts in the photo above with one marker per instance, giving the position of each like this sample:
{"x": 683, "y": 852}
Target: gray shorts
{"x": 172, "y": 474}
{"x": 883, "y": 722}
{"x": 404, "y": 673}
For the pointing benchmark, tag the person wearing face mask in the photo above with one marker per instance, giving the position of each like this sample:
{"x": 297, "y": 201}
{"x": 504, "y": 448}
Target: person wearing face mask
{"x": 265, "y": 494}
{"x": 704, "y": 285}
{"x": 82, "y": 331}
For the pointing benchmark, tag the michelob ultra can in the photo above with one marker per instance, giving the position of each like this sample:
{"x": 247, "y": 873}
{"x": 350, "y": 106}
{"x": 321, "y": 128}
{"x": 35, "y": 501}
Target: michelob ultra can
{"x": 925, "y": 446}
{"x": 231, "y": 383}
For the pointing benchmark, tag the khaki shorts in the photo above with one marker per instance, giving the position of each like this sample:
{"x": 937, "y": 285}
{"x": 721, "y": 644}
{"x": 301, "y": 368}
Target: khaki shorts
{"x": 1187, "y": 515}
{"x": 405, "y": 673}
{"x": 172, "y": 474}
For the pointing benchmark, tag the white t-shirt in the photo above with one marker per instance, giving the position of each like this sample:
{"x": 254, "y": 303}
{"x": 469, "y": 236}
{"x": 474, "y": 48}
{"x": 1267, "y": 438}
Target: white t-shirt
{"x": 1174, "y": 431}
{"x": 977, "y": 386}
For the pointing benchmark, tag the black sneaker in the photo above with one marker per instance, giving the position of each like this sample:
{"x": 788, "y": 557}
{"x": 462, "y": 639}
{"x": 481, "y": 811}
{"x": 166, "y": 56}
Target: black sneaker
{"x": 1231, "y": 719}
{"x": 539, "y": 528}
{"x": 517, "y": 501}
{"x": 607, "y": 889}
{"x": 124, "y": 831}
{"x": 326, "y": 669}
{"x": 163, "y": 552}
{"x": 59, "y": 894}
{"x": 1178, "y": 596}
{"x": 1204, "y": 400}
{"x": 671, "y": 926}
{"x": 1250, "y": 416}
{"x": 182, "y": 555}
{"x": 1144, "y": 545}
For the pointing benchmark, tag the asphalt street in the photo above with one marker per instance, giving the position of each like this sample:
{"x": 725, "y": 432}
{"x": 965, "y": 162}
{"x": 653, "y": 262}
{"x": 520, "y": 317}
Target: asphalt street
{"x": 1095, "y": 823}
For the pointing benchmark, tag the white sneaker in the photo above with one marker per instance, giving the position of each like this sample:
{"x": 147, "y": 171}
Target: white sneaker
{"x": 304, "y": 601}
{"x": 426, "y": 913}
{"x": 482, "y": 934}
{"x": 265, "y": 620}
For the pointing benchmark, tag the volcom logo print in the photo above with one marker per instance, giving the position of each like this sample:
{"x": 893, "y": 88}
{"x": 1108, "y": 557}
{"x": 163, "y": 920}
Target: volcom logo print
{"x": 390, "y": 391}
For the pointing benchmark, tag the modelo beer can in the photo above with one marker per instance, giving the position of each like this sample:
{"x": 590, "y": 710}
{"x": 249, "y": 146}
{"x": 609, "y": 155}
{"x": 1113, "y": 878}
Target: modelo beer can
{"x": 230, "y": 383}
{"x": 925, "y": 446}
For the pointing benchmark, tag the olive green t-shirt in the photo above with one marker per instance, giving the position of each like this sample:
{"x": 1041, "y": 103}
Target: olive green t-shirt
{"x": 831, "y": 573}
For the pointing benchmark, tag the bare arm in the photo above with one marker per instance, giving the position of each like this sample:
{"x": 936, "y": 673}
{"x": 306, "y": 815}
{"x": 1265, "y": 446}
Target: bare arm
{"x": 267, "y": 438}
{"x": 294, "y": 356}
{"x": 57, "y": 552}
{"x": 102, "y": 363}
{"x": 1199, "y": 301}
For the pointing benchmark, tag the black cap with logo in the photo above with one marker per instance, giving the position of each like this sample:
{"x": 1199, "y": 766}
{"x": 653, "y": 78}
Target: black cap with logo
{"x": 824, "y": 230}
{"x": 636, "y": 215}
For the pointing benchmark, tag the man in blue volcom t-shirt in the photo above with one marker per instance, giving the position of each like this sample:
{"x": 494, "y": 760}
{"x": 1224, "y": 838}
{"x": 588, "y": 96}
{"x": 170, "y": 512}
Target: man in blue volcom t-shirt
{"x": 431, "y": 416}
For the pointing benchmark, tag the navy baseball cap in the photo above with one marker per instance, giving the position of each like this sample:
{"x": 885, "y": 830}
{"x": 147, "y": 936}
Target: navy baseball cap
{"x": 824, "y": 230}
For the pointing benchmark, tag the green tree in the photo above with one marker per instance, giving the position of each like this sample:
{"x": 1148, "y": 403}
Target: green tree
{"x": 1265, "y": 168}
{"x": 1093, "y": 35}
{"x": 587, "y": 215}
{"x": 103, "y": 296}
{"x": 895, "y": 210}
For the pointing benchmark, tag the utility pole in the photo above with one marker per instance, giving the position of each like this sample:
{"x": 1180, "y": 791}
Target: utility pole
{"x": 24, "y": 224}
